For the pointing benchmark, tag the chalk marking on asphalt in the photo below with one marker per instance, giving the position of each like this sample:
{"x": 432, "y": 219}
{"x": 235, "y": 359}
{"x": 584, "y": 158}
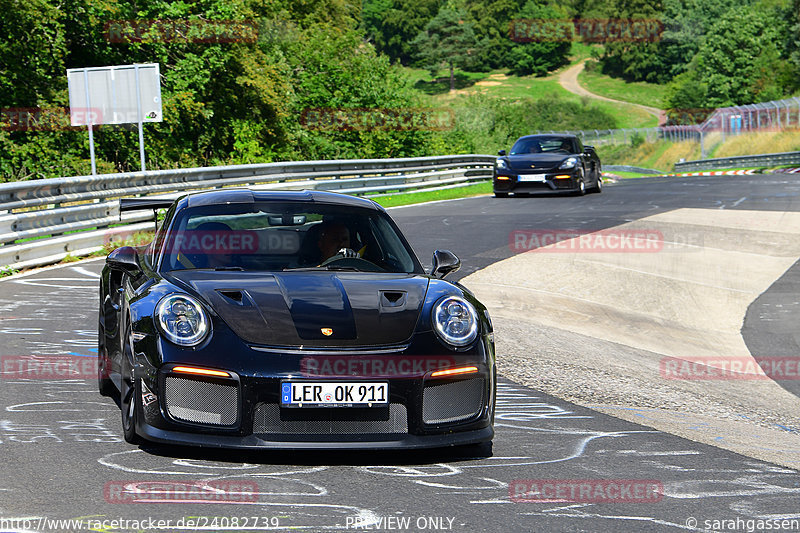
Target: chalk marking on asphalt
{"x": 675, "y": 489}
{"x": 87, "y": 273}
{"x": 46, "y": 269}
{"x": 494, "y": 483}
{"x": 648, "y": 454}
{"x": 108, "y": 460}
{"x": 37, "y": 282}
{"x": 14, "y": 408}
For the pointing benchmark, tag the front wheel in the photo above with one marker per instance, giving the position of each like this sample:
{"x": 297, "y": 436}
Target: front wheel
{"x": 581, "y": 187}
{"x": 127, "y": 404}
{"x": 104, "y": 383}
{"x": 598, "y": 188}
{"x": 129, "y": 392}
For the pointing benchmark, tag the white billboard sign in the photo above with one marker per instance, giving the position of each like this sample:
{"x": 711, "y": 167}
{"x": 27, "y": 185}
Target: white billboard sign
{"x": 121, "y": 94}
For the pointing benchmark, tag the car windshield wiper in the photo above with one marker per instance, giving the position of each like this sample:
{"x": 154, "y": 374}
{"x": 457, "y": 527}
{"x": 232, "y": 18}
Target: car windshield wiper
{"x": 326, "y": 267}
{"x": 229, "y": 268}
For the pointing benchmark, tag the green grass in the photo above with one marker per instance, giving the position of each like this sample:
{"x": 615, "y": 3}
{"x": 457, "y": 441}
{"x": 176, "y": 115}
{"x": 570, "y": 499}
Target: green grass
{"x": 581, "y": 51}
{"x": 629, "y": 175}
{"x": 394, "y": 200}
{"x": 649, "y": 94}
{"x": 422, "y": 81}
{"x": 655, "y": 156}
{"x": 497, "y": 84}
{"x": 137, "y": 239}
{"x": 8, "y": 271}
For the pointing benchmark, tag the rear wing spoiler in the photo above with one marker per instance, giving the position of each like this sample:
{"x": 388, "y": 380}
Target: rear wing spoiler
{"x": 136, "y": 204}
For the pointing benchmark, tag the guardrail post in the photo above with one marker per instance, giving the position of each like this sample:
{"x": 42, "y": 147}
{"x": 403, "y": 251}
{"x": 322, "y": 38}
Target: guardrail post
{"x": 702, "y": 145}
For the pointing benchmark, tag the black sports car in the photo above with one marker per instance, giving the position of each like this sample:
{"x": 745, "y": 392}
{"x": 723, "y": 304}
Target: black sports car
{"x": 547, "y": 164}
{"x": 291, "y": 320}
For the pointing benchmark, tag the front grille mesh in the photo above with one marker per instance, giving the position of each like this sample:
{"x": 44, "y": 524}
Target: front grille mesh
{"x": 454, "y": 401}
{"x": 267, "y": 419}
{"x": 190, "y": 400}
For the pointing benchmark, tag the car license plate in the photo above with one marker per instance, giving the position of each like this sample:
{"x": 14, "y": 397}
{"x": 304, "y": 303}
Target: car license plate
{"x": 539, "y": 178}
{"x": 334, "y": 394}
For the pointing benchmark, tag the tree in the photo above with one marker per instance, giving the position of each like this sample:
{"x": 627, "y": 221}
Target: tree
{"x": 630, "y": 59}
{"x": 793, "y": 44}
{"x": 686, "y": 23}
{"x": 685, "y": 99}
{"x": 392, "y": 25}
{"x": 539, "y": 57}
{"x": 740, "y": 60}
{"x": 492, "y": 20}
{"x": 448, "y": 40}
{"x": 32, "y": 52}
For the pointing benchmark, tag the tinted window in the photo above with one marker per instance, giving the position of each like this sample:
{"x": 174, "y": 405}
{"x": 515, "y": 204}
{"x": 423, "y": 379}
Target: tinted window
{"x": 278, "y": 236}
{"x": 543, "y": 144}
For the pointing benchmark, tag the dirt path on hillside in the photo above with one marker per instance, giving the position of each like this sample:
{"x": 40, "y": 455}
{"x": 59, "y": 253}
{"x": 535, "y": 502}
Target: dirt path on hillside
{"x": 569, "y": 81}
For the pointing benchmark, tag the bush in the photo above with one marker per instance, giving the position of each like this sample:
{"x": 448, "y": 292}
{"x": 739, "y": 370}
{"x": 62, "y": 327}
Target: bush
{"x": 637, "y": 139}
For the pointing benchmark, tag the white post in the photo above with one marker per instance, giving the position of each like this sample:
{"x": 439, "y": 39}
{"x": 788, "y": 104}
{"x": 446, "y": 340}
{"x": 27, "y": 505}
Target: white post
{"x": 702, "y": 145}
{"x": 90, "y": 121}
{"x": 139, "y": 116}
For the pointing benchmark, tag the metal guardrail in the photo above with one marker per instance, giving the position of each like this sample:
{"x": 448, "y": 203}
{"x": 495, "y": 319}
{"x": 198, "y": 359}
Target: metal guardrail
{"x": 764, "y": 160}
{"x": 37, "y": 216}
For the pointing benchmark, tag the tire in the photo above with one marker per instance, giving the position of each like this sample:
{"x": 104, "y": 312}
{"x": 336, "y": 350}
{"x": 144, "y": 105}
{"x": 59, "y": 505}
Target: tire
{"x": 127, "y": 404}
{"x": 104, "y": 384}
{"x": 599, "y": 187}
{"x": 501, "y": 195}
{"x": 581, "y": 187}
{"x": 128, "y": 393}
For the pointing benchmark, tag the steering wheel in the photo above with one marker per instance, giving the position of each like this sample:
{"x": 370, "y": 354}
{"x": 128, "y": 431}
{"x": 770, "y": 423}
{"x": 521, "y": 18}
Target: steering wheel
{"x": 351, "y": 258}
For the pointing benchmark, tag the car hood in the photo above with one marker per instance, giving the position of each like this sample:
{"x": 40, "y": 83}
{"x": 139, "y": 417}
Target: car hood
{"x": 539, "y": 161}
{"x": 299, "y": 308}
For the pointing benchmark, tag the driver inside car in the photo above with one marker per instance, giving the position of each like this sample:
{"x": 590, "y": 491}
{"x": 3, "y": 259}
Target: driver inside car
{"x": 334, "y": 239}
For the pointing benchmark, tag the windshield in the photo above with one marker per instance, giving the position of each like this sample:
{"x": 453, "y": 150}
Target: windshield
{"x": 544, "y": 144}
{"x": 274, "y": 236}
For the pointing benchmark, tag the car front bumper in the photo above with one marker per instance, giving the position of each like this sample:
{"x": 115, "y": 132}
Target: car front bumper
{"x": 244, "y": 411}
{"x": 509, "y": 181}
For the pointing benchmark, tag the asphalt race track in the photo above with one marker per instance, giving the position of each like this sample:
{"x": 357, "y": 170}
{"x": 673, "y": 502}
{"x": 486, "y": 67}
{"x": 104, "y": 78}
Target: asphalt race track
{"x": 64, "y": 458}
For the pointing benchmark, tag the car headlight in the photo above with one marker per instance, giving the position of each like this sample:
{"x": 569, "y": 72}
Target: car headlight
{"x": 569, "y": 162}
{"x": 501, "y": 164}
{"x": 455, "y": 321}
{"x": 182, "y": 319}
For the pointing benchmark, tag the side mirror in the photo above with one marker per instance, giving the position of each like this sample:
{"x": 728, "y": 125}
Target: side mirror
{"x": 587, "y": 149}
{"x": 444, "y": 262}
{"x": 501, "y": 152}
{"x": 124, "y": 258}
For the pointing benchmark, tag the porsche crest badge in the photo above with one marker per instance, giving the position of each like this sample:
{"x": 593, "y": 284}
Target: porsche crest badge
{"x": 327, "y": 331}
